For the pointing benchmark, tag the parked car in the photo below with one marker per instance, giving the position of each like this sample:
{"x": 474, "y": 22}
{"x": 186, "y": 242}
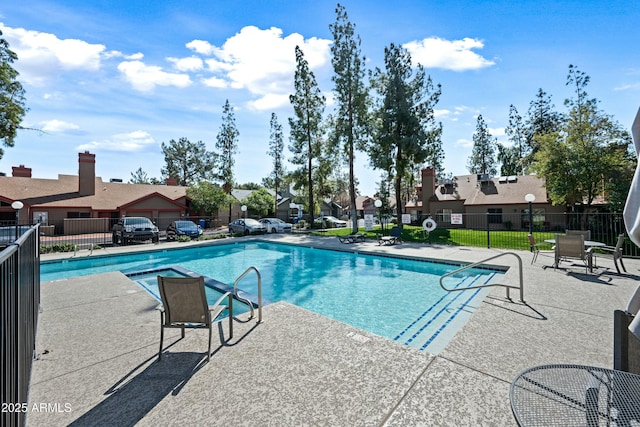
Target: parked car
{"x": 134, "y": 228}
{"x": 329, "y": 221}
{"x": 183, "y": 228}
{"x": 11, "y": 233}
{"x": 276, "y": 225}
{"x": 246, "y": 226}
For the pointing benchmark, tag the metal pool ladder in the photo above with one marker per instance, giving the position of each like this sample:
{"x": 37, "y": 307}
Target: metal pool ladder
{"x": 249, "y": 303}
{"x": 475, "y": 264}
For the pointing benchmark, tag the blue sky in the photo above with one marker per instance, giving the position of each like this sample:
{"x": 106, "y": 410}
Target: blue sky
{"x": 118, "y": 78}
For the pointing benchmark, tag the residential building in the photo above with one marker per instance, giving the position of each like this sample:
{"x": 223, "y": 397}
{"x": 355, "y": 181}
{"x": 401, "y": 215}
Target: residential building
{"x": 495, "y": 202}
{"x": 56, "y": 202}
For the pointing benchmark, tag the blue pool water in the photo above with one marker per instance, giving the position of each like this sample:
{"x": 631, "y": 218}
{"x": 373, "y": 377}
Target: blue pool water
{"x": 396, "y": 298}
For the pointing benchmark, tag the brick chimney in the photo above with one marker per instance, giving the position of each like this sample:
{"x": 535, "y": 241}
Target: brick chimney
{"x": 171, "y": 181}
{"x": 21, "y": 171}
{"x": 428, "y": 183}
{"x": 86, "y": 174}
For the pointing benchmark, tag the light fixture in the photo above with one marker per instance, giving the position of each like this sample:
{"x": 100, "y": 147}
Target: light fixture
{"x": 378, "y": 203}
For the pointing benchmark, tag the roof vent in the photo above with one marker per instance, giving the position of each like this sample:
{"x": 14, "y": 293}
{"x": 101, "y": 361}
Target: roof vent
{"x": 115, "y": 180}
{"x": 484, "y": 177}
{"x": 512, "y": 178}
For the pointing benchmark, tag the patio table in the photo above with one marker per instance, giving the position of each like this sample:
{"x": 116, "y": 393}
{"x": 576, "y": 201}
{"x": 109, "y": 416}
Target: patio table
{"x": 575, "y": 395}
{"x": 587, "y": 243}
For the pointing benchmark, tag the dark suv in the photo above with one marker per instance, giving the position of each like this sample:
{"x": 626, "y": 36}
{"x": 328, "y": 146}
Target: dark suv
{"x": 134, "y": 228}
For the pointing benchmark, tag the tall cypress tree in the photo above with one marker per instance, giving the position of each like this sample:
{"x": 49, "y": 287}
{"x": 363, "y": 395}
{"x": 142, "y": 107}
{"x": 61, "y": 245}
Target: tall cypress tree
{"x": 483, "y": 154}
{"x": 276, "y": 148}
{"x": 349, "y": 131}
{"x": 227, "y": 144}
{"x": 406, "y": 133}
{"x": 306, "y": 130}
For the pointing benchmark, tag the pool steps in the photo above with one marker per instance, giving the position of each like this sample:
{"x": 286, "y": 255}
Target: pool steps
{"x": 424, "y": 331}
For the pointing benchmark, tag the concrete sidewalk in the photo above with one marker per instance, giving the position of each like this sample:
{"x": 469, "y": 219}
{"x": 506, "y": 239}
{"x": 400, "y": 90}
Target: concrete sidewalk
{"x": 98, "y": 340}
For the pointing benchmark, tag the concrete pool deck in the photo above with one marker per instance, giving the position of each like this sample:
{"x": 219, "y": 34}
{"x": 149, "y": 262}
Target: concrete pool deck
{"x": 98, "y": 338}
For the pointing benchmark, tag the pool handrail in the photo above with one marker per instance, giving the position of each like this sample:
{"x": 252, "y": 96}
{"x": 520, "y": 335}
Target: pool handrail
{"x": 475, "y": 264}
{"x": 235, "y": 291}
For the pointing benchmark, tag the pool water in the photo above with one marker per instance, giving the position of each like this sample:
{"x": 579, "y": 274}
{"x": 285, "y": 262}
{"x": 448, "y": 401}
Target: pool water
{"x": 400, "y": 299}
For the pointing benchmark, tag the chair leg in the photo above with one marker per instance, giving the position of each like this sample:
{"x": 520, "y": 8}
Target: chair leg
{"x": 230, "y": 309}
{"x": 616, "y": 263}
{"x": 161, "y": 336}
{"x": 209, "y": 348}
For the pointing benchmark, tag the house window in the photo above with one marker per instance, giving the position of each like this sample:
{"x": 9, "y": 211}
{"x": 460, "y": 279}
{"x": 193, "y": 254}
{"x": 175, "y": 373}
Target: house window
{"x": 443, "y": 215}
{"x": 495, "y": 215}
{"x": 539, "y": 218}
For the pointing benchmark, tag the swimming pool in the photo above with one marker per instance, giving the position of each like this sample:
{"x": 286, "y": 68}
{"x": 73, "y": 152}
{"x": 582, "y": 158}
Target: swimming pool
{"x": 394, "y": 297}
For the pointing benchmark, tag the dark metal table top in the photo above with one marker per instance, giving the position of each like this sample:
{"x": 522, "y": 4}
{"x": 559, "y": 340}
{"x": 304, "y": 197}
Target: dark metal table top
{"x": 575, "y": 395}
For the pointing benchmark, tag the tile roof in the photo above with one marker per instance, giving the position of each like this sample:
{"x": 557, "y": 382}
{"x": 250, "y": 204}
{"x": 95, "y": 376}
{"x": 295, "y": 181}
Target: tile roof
{"x": 498, "y": 190}
{"x": 63, "y": 192}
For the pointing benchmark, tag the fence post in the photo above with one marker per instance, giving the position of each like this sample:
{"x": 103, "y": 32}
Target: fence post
{"x": 488, "y": 231}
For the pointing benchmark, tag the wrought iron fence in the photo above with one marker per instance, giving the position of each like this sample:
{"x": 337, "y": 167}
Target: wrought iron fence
{"x": 509, "y": 231}
{"x": 20, "y": 276}
{"x": 495, "y": 229}
{"x": 72, "y": 234}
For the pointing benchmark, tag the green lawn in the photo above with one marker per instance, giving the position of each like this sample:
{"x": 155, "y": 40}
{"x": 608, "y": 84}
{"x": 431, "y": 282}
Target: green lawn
{"x": 457, "y": 237}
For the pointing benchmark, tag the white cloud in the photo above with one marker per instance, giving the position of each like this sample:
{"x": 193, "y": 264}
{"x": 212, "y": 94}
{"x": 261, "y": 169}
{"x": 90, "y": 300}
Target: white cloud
{"x": 261, "y": 61}
{"x": 497, "y": 132}
{"x": 456, "y": 55}
{"x": 463, "y": 142}
{"x": 630, "y": 86}
{"x": 215, "y": 82}
{"x": 129, "y": 142}
{"x": 59, "y": 126}
{"x": 43, "y": 55}
{"x": 202, "y": 47}
{"x": 192, "y": 63}
{"x": 269, "y": 102}
{"x": 145, "y": 78}
{"x": 441, "y": 114}
{"x": 118, "y": 54}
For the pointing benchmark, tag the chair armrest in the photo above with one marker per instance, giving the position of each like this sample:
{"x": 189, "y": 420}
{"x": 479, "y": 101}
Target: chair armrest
{"x": 160, "y": 307}
{"x": 607, "y": 248}
{"x": 217, "y": 303}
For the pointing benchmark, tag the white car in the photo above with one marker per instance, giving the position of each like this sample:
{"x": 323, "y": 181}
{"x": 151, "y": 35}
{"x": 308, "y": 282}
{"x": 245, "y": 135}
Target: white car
{"x": 276, "y": 225}
{"x": 328, "y": 221}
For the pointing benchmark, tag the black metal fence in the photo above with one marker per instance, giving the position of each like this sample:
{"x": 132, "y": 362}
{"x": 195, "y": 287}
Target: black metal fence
{"x": 83, "y": 233}
{"x": 20, "y": 303}
{"x": 509, "y": 230}
{"x": 497, "y": 229}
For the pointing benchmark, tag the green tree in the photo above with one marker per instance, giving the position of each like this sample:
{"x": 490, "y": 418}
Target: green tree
{"x": 542, "y": 119}
{"x": 483, "y": 154}
{"x": 306, "y": 130}
{"x": 351, "y": 113}
{"x": 276, "y": 151}
{"x": 12, "y": 100}
{"x": 259, "y": 201}
{"x": 513, "y": 158}
{"x": 139, "y": 177}
{"x": 407, "y": 133}
{"x": 207, "y": 197}
{"x": 227, "y": 144}
{"x": 248, "y": 186}
{"x": 509, "y": 159}
{"x": 188, "y": 162}
{"x": 591, "y": 150}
